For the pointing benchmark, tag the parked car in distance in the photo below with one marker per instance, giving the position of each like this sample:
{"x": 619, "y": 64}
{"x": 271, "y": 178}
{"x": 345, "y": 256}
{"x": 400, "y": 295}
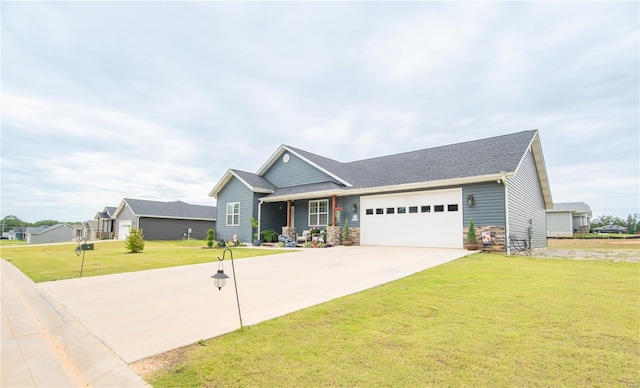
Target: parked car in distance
{"x": 611, "y": 229}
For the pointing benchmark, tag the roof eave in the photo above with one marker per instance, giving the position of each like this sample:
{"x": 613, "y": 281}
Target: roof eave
{"x": 390, "y": 188}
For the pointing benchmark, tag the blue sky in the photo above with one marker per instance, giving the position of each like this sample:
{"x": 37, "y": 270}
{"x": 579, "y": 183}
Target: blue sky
{"x": 156, "y": 100}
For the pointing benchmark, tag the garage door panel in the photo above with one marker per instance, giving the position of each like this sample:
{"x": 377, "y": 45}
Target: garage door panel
{"x": 424, "y": 228}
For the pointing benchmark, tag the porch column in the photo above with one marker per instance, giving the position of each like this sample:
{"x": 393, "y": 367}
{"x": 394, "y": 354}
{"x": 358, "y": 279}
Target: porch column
{"x": 334, "y": 199}
{"x": 288, "y": 213}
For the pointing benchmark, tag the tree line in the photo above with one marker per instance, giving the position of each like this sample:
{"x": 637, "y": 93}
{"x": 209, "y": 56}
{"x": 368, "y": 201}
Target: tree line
{"x": 632, "y": 222}
{"x": 11, "y": 221}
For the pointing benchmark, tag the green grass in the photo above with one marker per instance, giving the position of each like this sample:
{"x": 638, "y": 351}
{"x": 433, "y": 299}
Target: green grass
{"x": 484, "y": 320}
{"x": 44, "y": 263}
{"x": 11, "y": 242}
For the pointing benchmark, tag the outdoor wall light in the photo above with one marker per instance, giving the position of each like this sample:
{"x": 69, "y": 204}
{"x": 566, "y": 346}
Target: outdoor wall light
{"x": 470, "y": 199}
{"x": 220, "y": 279}
{"x": 354, "y": 207}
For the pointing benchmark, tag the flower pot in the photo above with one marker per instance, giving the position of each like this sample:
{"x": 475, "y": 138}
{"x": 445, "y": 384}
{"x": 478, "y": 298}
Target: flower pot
{"x": 347, "y": 243}
{"x": 256, "y": 243}
{"x": 471, "y": 246}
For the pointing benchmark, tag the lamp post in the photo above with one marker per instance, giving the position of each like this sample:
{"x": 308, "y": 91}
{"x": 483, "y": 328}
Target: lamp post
{"x": 220, "y": 279}
{"x": 79, "y": 249}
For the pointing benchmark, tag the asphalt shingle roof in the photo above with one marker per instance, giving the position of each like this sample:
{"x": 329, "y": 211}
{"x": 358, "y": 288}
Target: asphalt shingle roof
{"x": 175, "y": 209}
{"x": 255, "y": 181}
{"x": 469, "y": 159}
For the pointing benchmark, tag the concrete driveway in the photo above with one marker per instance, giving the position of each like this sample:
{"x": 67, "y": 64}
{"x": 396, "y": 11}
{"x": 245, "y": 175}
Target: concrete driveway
{"x": 145, "y": 313}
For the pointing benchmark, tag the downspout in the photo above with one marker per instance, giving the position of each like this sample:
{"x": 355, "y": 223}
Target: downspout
{"x": 259, "y": 216}
{"x": 506, "y": 212}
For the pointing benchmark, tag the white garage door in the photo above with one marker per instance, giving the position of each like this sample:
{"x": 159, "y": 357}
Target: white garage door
{"x": 124, "y": 227}
{"x": 424, "y": 219}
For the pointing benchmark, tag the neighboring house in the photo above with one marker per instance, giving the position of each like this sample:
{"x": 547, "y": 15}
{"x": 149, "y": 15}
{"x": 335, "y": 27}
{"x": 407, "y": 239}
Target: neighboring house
{"x": 420, "y": 198}
{"x": 77, "y": 231}
{"x": 164, "y": 220}
{"x": 106, "y": 223}
{"x": 49, "y": 234}
{"x": 90, "y": 230}
{"x": 565, "y": 219}
{"x": 17, "y": 233}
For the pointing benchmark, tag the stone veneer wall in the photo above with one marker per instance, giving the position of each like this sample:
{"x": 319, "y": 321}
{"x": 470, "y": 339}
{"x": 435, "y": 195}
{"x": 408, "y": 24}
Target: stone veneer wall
{"x": 334, "y": 235}
{"x": 290, "y": 231}
{"x": 498, "y": 240}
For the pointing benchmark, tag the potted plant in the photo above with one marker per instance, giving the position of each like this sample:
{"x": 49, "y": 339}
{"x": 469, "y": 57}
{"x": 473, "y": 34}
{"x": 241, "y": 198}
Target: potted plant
{"x": 211, "y": 237}
{"x": 345, "y": 234}
{"x": 254, "y": 224}
{"x": 471, "y": 243}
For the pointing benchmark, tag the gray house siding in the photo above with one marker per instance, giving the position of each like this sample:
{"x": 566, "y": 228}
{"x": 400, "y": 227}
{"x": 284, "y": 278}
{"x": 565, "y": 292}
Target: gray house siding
{"x": 301, "y": 218}
{"x": 58, "y": 234}
{"x": 235, "y": 191}
{"x": 174, "y": 229}
{"x": 274, "y": 216}
{"x": 526, "y": 203}
{"x": 559, "y": 224}
{"x": 488, "y": 204}
{"x": 346, "y": 203}
{"x": 294, "y": 173}
{"x": 125, "y": 215}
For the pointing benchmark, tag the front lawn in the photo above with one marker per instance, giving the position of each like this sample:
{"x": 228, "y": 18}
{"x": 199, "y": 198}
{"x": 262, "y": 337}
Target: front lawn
{"x": 56, "y": 262}
{"x": 484, "y": 320}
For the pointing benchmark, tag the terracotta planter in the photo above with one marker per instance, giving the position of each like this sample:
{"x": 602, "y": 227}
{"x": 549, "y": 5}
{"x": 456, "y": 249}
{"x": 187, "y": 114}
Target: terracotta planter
{"x": 347, "y": 243}
{"x": 471, "y": 246}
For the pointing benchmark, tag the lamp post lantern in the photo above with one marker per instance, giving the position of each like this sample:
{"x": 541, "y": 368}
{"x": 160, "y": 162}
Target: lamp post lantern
{"x": 220, "y": 279}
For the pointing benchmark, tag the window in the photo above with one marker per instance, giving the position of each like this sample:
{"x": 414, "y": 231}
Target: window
{"x": 233, "y": 214}
{"x": 369, "y": 211}
{"x": 379, "y": 210}
{"x": 402, "y": 209}
{"x": 438, "y": 208}
{"x": 391, "y": 210}
{"x": 413, "y": 209}
{"x": 452, "y": 208}
{"x": 425, "y": 209}
{"x": 319, "y": 212}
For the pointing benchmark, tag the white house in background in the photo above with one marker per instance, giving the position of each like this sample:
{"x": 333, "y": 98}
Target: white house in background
{"x": 49, "y": 234}
{"x": 565, "y": 219}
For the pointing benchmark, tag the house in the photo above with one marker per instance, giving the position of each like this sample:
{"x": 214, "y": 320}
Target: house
{"x": 18, "y": 233}
{"x": 565, "y": 219}
{"x": 421, "y": 198}
{"x": 49, "y": 234}
{"x": 164, "y": 220}
{"x": 106, "y": 223}
{"x": 90, "y": 229}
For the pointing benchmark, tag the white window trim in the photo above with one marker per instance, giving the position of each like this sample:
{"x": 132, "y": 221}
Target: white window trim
{"x": 232, "y": 214}
{"x": 319, "y": 213}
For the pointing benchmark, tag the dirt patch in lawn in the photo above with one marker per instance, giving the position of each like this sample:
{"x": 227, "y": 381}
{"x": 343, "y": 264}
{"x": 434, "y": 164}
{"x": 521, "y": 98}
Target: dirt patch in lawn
{"x": 616, "y": 250}
{"x": 167, "y": 360}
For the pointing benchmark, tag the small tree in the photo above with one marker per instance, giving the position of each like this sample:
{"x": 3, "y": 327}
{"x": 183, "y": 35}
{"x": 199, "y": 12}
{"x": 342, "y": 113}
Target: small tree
{"x": 254, "y": 225}
{"x": 134, "y": 241}
{"x": 471, "y": 234}
{"x": 345, "y": 232}
{"x": 211, "y": 237}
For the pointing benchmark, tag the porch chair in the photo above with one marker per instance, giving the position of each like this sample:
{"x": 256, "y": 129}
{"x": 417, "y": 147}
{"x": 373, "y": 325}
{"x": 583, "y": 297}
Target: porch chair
{"x": 519, "y": 245}
{"x": 304, "y": 238}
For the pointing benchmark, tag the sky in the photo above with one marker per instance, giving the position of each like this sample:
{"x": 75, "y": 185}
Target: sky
{"x": 102, "y": 101}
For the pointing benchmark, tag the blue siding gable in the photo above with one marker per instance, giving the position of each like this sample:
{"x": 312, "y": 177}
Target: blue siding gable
{"x": 295, "y": 172}
{"x": 235, "y": 191}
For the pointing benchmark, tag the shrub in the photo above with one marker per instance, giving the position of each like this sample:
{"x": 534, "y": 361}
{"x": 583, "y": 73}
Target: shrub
{"x": 134, "y": 241}
{"x": 471, "y": 234}
{"x": 269, "y": 235}
{"x": 211, "y": 237}
{"x": 345, "y": 232}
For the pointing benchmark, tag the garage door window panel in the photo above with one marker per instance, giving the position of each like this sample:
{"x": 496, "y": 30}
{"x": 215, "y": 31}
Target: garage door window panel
{"x": 438, "y": 208}
{"x": 402, "y": 210}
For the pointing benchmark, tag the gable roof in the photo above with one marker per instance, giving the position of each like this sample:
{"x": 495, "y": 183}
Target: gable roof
{"x": 462, "y": 163}
{"x": 574, "y": 207}
{"x": 254, "y": 182}
{"x": 44, "y": 228}
{"x": 174, "y": 209}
